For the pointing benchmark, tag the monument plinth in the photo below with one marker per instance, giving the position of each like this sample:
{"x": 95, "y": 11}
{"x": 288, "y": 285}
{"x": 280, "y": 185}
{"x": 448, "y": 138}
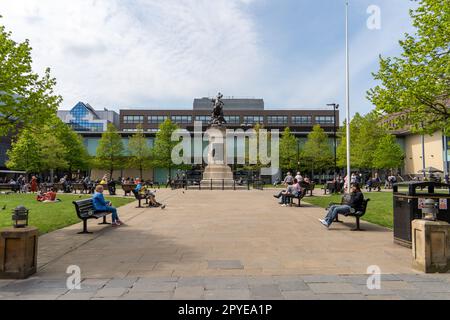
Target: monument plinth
{"x": 217, "y": 173}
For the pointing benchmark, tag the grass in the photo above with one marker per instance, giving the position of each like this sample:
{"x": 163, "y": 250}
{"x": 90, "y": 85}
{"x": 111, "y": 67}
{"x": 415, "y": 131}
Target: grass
{"x": 379, "y": 210}
{"x": 47, "y": 217}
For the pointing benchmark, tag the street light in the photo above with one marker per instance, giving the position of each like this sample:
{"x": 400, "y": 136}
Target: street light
{"x": 335, "y": 108}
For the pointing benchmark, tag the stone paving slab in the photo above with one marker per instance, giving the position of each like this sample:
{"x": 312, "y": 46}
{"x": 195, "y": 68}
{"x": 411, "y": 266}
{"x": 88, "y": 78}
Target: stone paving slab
{"x": 224, "y": 245}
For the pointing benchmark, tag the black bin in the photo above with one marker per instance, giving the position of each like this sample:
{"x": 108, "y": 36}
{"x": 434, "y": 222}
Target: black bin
{"x": 407, "y": 206}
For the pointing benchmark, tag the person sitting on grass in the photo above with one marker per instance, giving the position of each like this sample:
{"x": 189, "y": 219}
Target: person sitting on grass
{"x": 101, "y": 205}
{"x": 48, "y": 197}
{"x": 353, "y": 203}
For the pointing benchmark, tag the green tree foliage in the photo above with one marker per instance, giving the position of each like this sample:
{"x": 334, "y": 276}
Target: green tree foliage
{"x": 37, "y": 152}
{"x": 162, "y": 150}
{"x": 25, "y": 97}
{"x": 288, "y": 150}
{"x": 76, "y": 154}
{"x": 317, "y": 151}
{"x": 110, "y": 150}
{"x": 366, "y": 136}
{"x": 389, "y": 154}
{"x": 418, "y": 82}
{"x": 140, "y": 152}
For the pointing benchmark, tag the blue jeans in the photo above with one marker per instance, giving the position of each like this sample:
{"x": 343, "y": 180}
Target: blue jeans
{"x": 334, "y": 211}
{"x": 113, "y": 211}
{"x": 287, "y": 200}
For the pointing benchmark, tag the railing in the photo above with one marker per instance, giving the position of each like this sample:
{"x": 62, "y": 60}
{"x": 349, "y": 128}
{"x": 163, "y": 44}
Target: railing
{"x": 221, "y": 184}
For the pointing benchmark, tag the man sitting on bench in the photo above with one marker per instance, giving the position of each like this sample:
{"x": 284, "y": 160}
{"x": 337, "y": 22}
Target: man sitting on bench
{"x": 292, "y": 190}
{"x": 101, "y": 205}
{"x": 354, "y": 202}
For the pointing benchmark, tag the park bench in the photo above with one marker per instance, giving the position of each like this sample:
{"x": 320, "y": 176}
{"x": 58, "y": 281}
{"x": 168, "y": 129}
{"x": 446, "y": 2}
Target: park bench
{"x": 299, "y": 197}
{"x": 85, "y": 211}
{"x": 309, "y": 187}
{"x": 357, "y": 214}
{"x": 9, "y": 188}
{"x": 374, "y": 185}
{"x": 78, "y": 187}
{"x": 139, "y": 197}
{"x": 128, "y": 189}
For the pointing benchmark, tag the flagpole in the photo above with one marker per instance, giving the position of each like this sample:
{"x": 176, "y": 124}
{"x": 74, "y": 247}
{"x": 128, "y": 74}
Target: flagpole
{"x": 347, "y": 96}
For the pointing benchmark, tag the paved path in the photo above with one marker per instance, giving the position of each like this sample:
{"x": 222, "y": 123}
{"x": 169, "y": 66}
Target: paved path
{"x": 214, "y": 244}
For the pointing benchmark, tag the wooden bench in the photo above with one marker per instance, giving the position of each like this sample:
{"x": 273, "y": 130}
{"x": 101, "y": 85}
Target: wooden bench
{"x": 309, "y": 187}
{"x": 139, "y": 198}
{"x": 78, "y": 187}
{"x": 128, "y": 189}
{"x": 374, "y": 185}
{"x": 9, "y": 188}
{"x": 85, "y": 211}
{"x": 357, "y": 214}
{"x": 299, "y": 197}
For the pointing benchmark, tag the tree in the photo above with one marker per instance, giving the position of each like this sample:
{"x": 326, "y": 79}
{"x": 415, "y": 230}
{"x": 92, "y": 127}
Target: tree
{"x": 389, "y": 154}
{"x": 37, "y": 152}
{"x": 140, "y": 152}
{"x": 288, "y": 150}
{"x": 162, "y": 150}
{"x": 110, "y": 150}
{"x": 417, "y": 84}
{"x": 355, "y": 127}
{"x": 317, "y": 150}
{"x": 26, "y": 99}
{"x": 24, "y": 152}
{"x": 76, "y": 155}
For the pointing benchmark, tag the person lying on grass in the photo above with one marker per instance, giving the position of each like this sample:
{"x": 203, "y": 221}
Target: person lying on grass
{"x": 48, "y": 197}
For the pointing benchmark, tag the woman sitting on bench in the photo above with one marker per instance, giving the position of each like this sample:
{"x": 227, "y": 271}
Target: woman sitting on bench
{"x": 292, "y": 190}
{"x": 354, "y": 202}
{"x": 101, "y": 205}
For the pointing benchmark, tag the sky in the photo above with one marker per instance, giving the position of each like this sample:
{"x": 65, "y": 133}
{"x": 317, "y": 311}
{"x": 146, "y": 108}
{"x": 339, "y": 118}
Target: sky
{"x": 120, "y": 54}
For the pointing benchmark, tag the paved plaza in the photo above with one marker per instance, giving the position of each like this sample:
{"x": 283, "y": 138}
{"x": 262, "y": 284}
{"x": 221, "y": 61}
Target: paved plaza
{"x": 224, "y": 245}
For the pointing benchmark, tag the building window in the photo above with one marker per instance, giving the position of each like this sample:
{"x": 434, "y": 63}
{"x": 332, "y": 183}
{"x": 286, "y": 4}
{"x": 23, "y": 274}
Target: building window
{"x": 253, "y": 119}
{"x": 324, "y": 119}
{"x": 233, "y": 119}
{"x": 302, "y": 120}
{"x": 130, "y": 130}
{"x": 182, "y": 119}
{"x": 156, "y": 119}
{"x": 204, "y": 119}
{"x": 277, "y": 120}
{"x": 133, "y": 119}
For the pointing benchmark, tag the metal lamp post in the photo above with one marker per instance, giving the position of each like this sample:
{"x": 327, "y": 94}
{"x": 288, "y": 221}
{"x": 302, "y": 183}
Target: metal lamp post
{"x": 347, "y": 94}
{"x": 335, "y": 108}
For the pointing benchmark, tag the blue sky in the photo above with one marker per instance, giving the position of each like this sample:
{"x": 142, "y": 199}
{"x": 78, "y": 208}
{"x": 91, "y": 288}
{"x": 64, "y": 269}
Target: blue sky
{"x": 162, "y": 54}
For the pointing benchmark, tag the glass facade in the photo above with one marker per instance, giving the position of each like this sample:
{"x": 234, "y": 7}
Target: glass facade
{"x": 204, "y": 119}
{"x": 156, "y": 119}
{"x": 301, "y": 120}
{"x": 82, "y": 120}
{"x": 133, "y": 119}
{"x": 253, "y": 119}
{"x": 324, "y": 119}
{"x": 233, "y": 119}
{"x": 182, "y": 119}
{"x": 283, "y": 120}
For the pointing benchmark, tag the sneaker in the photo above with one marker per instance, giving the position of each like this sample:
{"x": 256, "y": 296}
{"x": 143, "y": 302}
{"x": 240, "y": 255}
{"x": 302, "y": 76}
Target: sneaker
{"x": 115, "y": 224}
{"x": 324, "y": 223}
{"x": 163, "y": 207}
{"x": 284, "y": 205}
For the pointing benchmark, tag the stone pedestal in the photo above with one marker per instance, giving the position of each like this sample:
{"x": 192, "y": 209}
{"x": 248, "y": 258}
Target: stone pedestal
{"x": 18, "y": 252}
{"x": 217, "y": 174}
{"x": 431, "y": 246}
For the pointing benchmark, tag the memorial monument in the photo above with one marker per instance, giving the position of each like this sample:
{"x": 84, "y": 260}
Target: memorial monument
{"x": 217, "y": 173}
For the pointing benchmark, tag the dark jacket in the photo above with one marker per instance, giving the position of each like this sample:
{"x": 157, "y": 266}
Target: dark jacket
{"x": 356, "y": 201}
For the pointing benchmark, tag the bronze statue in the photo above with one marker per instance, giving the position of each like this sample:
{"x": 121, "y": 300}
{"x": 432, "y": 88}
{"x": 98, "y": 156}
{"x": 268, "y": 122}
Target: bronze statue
{"x": 217, "y": 117}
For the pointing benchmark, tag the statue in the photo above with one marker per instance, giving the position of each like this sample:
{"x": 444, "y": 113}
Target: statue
{"x": 217, "y": 117}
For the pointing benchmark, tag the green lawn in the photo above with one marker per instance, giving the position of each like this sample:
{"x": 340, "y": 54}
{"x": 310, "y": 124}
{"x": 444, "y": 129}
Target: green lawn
{"x": 47, "y": 217}
{"x": 379, "y": 209}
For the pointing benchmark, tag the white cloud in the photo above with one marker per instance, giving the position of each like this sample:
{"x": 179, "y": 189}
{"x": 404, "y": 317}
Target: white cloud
{"x": 117, "y": 53}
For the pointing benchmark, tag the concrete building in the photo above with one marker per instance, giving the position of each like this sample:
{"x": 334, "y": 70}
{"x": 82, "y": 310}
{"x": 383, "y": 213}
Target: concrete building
{"x": 239, "y": 113}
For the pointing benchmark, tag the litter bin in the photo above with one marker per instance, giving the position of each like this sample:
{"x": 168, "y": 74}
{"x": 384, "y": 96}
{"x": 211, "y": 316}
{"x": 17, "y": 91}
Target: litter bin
{"x": 409, "y": 200}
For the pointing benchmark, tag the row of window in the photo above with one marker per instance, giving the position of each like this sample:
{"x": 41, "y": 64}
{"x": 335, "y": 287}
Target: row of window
{"x": 271, "y": 120}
